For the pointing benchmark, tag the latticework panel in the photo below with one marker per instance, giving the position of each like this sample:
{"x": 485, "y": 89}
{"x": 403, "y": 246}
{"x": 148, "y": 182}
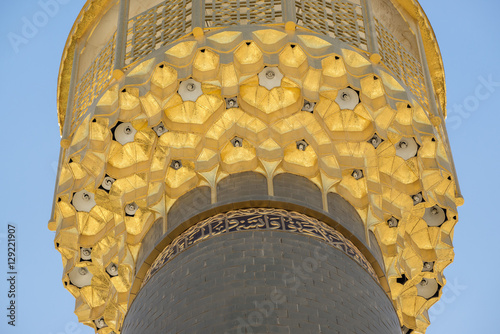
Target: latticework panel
{"x": 221, "y": 13}
{"x": 93, "y": 82}
{"x": 402, "y": 63}
{"x": 157, "y": 27}
{"x": 338, "y": 19}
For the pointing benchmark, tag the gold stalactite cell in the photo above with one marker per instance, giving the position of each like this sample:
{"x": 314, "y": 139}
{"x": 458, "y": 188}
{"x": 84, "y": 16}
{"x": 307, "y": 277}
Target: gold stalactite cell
{"x": 129, "y": 103}
{"x": 354, "y": 60}
{"x": 301, "y": 125}
{"x": 108, "y": 103}
{"x": 196, "y": 113}
{"x": 334, "y": 72}
{"x": 206, "y": 160}
{"x": 122, "y": 281}
{"x": 270, "y": 36}
{"x": 314, "y": 42}
{"x": 205, "y": 65}
{"x": 94, "y": 163}
{"x": 312, "y": 84}
{"x": 400, "y": 170}
{"x": 128, "y": 159}
{"x": 404, "y": 117}
{"x": 238, "y": 159}
{"x": 159, "y": 161}
{"x": 346, "y": 124}
{"x": 181, "y": 144}
{"x": 300, "y": 162}
{"x": 387, "y": 236}
{"x": 372, "y": 92}
{"x": 421, "y": 120}
{"x": 184, "y": 177}
{"x": 271, "y": 105}
{"x": 353, "y": 155}
{"x": 229, "y": 79}
{"x": 142, "y": 69}
{"x": 331, "y": 167}
{"x": 137, "y": 225}
{"x": 325, "y": 103}
{"x": 65, "y": 178}
{"x": 151, "y": 108}
{"x": 79, "y": 173}
{"x": 384, "y": 118}
{"x": 127, "y": 189}
{"x": 164, "y": 81}
{"x": 270, "y": 145}
{"x": 248, "y": 59}
{"x": 353, "y": 190}
{"x": 182, "y": 50}
{"x": 390, "y": 82}
{"x": 99, "y": 134}
{"x": 293, "y": 61}
{"x": 155, "y": 193}
{"x": 82, "y": 309}
{"x": 220, "y": 130}
{"x": 81, "y": 133}
{"x": 225, "y": 37}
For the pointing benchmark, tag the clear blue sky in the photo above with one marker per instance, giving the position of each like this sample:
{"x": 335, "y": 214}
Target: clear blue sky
{"x": 468, "y": 35}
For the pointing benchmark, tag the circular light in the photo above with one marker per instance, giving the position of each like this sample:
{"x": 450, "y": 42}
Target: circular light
{"x": 237, "y": 142}
{"x": 347, "y": 98}
{"x": 406, "y": 148}
{"x": 270, "y": 77}
{"x": 112, "y": 270}
{"x": 302, "y": 145}
{"x": 107, "y": 182}
{"x": 308, "y": 106}
{"x": 427, "y": 288}
{"x": 85, "y": 254}
{"x": 428, "y": 266}
{"x": 160, "y": 129}
{"x": 131, "y": 209}
{"x": 417, "y": 198}
{"x": 231, "y": 103}
{"x": 83, "y": 201}
{"x": 357, "y": 174}
{"x": 190, "y": 90}
{"x": 80, "y": 277}
{"x": 125, "y": 133}
{"x": 176, "y": 164}
{"x": 375, "y": 140}
{"x": 434, "y": 216}
{"x": 393, "y": 222}
{"x": 100, "y": 323}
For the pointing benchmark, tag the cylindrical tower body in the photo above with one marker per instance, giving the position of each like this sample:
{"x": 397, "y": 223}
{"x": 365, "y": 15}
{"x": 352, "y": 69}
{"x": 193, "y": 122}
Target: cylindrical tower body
{"x": 254, "y": 166}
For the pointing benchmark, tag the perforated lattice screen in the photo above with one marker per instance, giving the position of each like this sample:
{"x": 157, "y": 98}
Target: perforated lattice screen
{"x": 338, "y": 19}
{"x": 221, "y": 13}
{"x": 157, "y": 27}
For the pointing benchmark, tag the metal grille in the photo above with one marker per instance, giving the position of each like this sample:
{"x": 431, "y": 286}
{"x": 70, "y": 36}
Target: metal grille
{"x": 157, "y": 27}
{"x": 221, "y": 13}
{"x": 338, "y": 18}
{"x": 93, "y": 82}
{"x": 402, "y": 63}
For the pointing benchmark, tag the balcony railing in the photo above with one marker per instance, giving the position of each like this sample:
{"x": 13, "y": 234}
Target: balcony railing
{"x": 170, "y": 20}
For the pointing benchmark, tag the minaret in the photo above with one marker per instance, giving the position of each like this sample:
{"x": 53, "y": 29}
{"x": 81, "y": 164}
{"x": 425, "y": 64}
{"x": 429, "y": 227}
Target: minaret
{"x": 254, "y": 166}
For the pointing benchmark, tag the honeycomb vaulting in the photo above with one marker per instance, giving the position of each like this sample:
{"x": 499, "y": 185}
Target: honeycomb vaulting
{"x": 206, "y": 107}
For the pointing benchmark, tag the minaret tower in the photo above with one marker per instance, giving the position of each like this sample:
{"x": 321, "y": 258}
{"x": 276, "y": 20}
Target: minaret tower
{"x": 254, "y": 166}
